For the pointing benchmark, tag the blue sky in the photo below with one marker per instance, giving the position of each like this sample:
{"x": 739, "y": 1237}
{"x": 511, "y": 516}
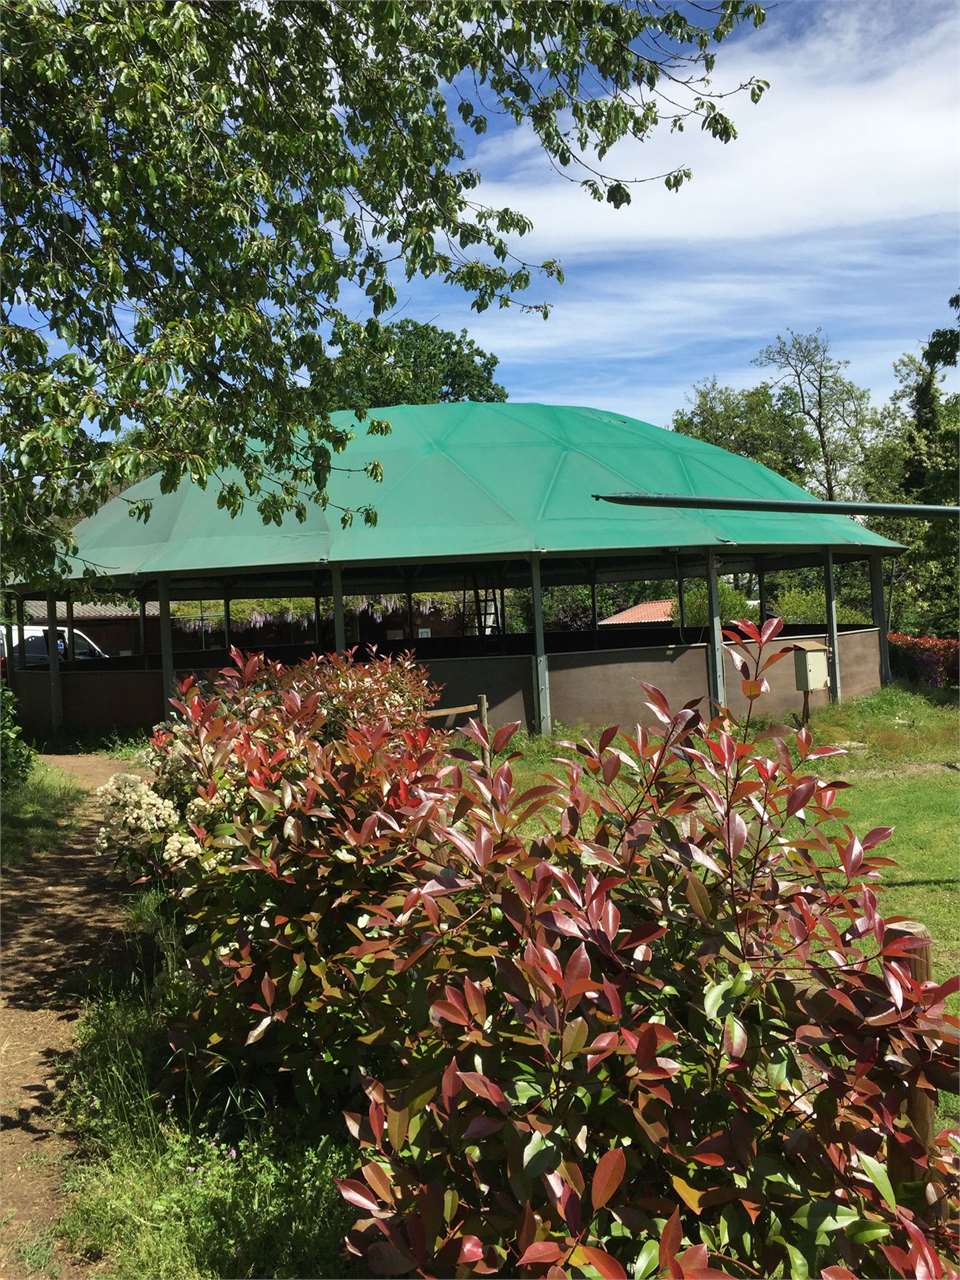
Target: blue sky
{"x": 836, "y": 206}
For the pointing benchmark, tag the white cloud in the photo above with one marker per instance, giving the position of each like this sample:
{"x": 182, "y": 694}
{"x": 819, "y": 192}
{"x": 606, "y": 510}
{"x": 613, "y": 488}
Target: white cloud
{"x": 859, "y": 126}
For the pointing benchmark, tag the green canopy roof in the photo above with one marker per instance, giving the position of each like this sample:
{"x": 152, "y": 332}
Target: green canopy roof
{"x": 468, "y": 481}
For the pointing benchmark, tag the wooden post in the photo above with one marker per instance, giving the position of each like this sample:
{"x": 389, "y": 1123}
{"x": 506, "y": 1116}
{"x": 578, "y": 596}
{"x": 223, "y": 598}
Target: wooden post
{"x": 541, "y": 669}
{"x": 339, "y": 617}
{"x": 21, "y": 636}
{"x": 71, "y": 634}
{"x": 920, "y": 1109}
{"x": 484, "y": 713}
{"x": 715, "y": 672}
{"x": 53, "y": 662}
{"x": 880, "y": 614}
{"x": 166, "y": 641}
{"x": 833, "y": 638}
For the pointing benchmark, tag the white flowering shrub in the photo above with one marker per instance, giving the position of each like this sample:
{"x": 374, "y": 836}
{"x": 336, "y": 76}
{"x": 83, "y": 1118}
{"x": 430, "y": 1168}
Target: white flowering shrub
{"x": 137, "y": 824}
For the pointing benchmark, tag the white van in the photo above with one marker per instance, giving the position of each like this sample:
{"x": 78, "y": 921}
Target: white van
{"x": 35, "y": 646}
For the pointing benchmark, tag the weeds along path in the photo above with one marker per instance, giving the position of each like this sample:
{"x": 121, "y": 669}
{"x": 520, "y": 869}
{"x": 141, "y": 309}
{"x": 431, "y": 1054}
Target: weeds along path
{"x": 60, "y": 925}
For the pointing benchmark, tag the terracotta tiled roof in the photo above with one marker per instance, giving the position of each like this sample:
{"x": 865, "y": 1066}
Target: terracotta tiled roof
{"x": 647, "y": 611}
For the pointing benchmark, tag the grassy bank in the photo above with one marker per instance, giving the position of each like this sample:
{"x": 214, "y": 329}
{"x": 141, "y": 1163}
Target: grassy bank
{"x": 37, "y": 814}
{"x": 178, "y": 1192}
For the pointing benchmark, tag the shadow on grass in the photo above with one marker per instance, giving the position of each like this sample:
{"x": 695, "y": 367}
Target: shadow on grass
{"x": 36, "y": 815}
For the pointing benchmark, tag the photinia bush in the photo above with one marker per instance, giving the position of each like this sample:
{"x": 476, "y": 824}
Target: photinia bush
{"x": 291, "y": 791}
{"x": 667, "y": 1034}
{"x": 643, "y": 1018}
{"x": 927, "y": 660}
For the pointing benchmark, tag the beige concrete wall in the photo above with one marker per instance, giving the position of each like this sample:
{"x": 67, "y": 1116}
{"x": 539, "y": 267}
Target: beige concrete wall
{"x": 506, "y": 679}
{"x": 592, "y": 687}
{"x": 599, "y": 689}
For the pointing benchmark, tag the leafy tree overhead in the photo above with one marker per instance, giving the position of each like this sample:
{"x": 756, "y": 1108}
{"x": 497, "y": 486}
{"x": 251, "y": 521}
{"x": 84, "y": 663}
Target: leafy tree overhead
{"x": 412, "y": 363}
{"x": 204, "y": 198}
{"x": 762, "y": 423}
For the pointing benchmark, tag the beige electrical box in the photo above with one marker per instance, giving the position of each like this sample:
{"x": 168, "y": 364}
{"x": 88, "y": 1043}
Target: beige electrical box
{"x": 810, "y": 663}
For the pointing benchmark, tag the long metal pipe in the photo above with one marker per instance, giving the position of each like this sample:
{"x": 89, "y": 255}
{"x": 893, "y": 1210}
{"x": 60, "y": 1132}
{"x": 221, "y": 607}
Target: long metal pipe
{"x": 813, "y": 507}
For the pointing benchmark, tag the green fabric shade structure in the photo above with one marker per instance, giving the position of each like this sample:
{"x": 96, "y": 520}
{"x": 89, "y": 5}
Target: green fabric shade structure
{"x": 476, "y": 481}
{"x": 498, "y": 493}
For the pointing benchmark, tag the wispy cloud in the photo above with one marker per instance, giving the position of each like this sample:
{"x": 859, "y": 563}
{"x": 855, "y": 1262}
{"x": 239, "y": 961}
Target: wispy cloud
{"x": 836, "y": 207}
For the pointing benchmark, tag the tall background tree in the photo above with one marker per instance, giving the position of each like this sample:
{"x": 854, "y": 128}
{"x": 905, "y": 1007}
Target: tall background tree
{"x": 412, "y": 363}
{"x": 202, "y": 198}
{"x": 813, "y": 424}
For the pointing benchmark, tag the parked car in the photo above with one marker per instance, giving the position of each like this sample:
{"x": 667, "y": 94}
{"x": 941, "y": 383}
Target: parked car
{"x": 35, "y": 647}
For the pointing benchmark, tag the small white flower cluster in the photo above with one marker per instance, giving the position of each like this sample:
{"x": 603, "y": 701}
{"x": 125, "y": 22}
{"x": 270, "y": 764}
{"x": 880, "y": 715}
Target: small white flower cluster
{"x": 132, "y": 812}
{"x": 179, "y": 848}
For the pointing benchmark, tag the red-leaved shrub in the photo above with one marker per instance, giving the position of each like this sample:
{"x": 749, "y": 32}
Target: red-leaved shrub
{"x": 926, "y": 660}
{"x": 643, "y": 1018}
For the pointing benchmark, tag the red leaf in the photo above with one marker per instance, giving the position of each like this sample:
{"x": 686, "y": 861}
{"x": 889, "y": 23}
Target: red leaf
{"x": 503, "y": 736}
{"x": 607, "y": 1267}
{"x": 837, "y": 1273}
{"x": 484, "y": 1088}
{"x": 669, "y": 1244}
{"x": 607, "y": 1176}
{"x": 269, "y": 988}
{"x": 471, "y": 1250}
{"x": 542, "y": 1251}
{"x": 446, "y": 1009}
{"x": 357, "y": 1194}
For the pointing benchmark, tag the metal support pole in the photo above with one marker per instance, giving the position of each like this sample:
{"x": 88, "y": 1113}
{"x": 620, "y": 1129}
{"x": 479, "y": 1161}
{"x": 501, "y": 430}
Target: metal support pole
{"x": 53, "y": 661}
{"x": 833, "y": 639}
{"x": 142, "y": 624}
{"x": 227, "y": 639}
{"x": 762, "y": 592}
{"x": 166, "y": 640}
{"x": 681, "y": 611}
{"x": 317, "y": 638}
{"x": 339, "y": 617}
{"x": 715, "y": 672}
{"x": 594, "y": 619}
{"x": 71, "y": 634}
{"x": 541, "y": 669}
{"x": 880, "y": 615}
{"x": 21, "y": 636}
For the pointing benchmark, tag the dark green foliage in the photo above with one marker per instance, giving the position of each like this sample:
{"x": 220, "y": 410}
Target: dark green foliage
{"x": 733, "y": 603}
{"x": 944, "y": 345}
{"x": 763, "y": 423}
{"x": 16, "y": 756}
{"x": 203, "y": 200}
{"x": 412, "y": 363}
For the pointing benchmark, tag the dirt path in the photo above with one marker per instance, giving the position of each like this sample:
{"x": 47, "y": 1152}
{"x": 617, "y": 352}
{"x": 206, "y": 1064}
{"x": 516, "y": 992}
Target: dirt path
{"x": 60, "y": 918}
